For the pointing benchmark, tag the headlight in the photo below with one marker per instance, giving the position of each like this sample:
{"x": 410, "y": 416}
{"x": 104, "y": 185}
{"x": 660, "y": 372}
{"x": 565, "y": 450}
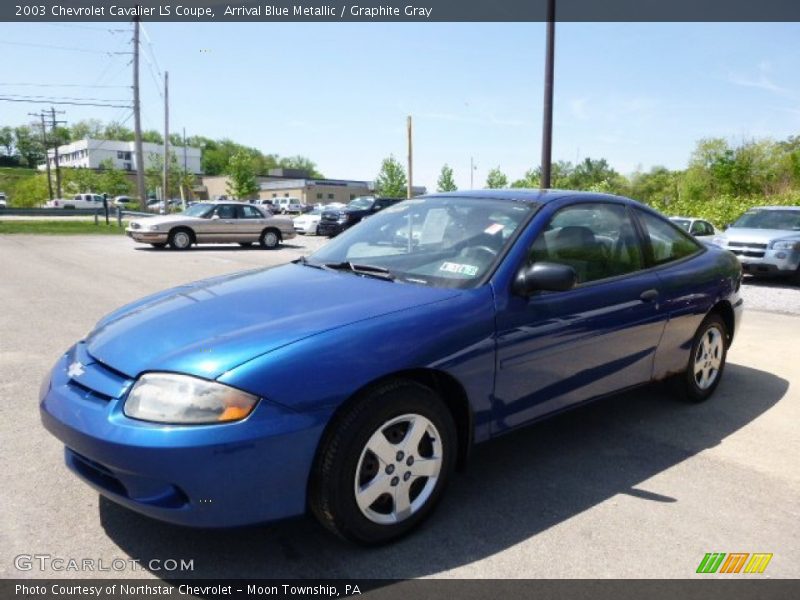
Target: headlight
{"x": 152, "y": 228}
{"x": 170, "y": 398}
{"x": 785, "y": 245}
{"x": 719, "y": 240}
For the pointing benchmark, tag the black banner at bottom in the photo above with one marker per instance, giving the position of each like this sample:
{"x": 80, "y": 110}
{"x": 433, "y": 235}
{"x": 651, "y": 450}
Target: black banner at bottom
{"x": 386, "y": 589}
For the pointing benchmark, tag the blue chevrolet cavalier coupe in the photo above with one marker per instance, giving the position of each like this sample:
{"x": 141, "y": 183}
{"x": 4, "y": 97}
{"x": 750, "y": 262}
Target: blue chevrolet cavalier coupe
{"x": 352, "y": 382}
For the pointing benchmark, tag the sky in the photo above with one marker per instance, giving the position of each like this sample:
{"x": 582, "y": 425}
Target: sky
{"x": 636, "y": 94}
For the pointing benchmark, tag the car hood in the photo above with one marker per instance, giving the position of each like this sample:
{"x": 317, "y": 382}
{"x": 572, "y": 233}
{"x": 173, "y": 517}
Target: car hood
{"x": 212, "y": 326}
{"x": 758, "y": 236}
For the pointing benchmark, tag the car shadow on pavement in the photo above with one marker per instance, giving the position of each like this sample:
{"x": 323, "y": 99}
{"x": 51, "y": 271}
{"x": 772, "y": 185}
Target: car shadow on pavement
{"x": 512, "y": 489}
{"x": 217, "y": 248}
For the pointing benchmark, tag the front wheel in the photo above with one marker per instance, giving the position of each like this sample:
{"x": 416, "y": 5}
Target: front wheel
{"x": 270, "y": 239}
{"x": 707, "y": 360}
{"x": 385, "y": 463}
{"x": 180, "y": 239}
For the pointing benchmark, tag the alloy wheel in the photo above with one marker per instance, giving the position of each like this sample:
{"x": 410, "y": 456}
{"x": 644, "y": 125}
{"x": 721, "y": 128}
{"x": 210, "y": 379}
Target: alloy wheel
{"x": 708, "y": 358}
{"x": 398, "y": 469}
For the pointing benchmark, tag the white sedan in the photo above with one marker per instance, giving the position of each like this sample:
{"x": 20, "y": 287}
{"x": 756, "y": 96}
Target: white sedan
{"x": 699, "y": 228}
{"x": 307, "y": 223}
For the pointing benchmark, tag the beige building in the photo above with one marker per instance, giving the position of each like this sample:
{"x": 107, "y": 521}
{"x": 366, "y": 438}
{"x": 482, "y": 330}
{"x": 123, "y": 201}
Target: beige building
{"x": 288, "y": 183}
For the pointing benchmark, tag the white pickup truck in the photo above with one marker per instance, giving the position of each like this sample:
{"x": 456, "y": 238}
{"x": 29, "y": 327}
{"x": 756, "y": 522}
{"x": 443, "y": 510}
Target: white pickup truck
{"x": 77, "y": 201}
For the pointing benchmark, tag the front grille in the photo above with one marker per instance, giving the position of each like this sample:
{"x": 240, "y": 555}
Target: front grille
{"x": 332, "y": 218}
{"x": 87, "y": 392}
{"x": 746, "y": 245}
{"x": 93, "y": 379}
{"x": 749, "y": 253}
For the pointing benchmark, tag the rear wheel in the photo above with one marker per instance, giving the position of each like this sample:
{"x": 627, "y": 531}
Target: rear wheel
{"x": 270, "y": 239}
{"x": 707, "y": 360}
{"x": 180, "y": 239}
{"x": 385, "y": 463}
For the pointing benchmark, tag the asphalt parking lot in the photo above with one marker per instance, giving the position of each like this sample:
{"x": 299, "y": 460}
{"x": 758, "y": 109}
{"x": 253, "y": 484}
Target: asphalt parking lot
{"x": 636, "y": 486}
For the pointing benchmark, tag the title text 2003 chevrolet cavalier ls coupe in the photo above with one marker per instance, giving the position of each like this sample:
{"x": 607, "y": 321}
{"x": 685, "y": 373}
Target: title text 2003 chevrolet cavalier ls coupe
{"x": 438, "y": 323}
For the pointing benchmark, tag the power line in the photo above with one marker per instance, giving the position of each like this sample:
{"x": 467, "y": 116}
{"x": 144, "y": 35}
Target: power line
{"x": 62, "y": 85}
{"x": 4, "y": 99}
{"x": 55, "y": 98}
{"x": 65, "y": 48}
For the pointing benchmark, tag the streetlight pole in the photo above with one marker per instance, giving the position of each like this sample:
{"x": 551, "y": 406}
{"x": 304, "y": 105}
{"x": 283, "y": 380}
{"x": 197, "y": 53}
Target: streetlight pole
{"x": 547, "y": 116}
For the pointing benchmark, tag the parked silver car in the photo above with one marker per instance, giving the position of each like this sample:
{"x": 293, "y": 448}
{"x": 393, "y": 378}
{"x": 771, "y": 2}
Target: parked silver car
{"x": 699, "y": 228}
{"x": 766, "y": 239}
{"x": 213, "y": 222}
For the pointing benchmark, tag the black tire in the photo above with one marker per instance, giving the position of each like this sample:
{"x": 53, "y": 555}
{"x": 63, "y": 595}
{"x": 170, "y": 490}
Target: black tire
{"x": 181, "y": 238}
{"x": 270, "y": 239}
{"x": 160, "y": 245}
{"x": 795, "y": 277}
{"x": 332, "y": 487}
{"x": 689, "y": 385}
{"x": 245, "y": 244}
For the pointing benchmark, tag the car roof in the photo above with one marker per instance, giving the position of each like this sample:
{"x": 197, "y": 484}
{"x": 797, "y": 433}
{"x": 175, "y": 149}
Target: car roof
{"x": 539, "y": 196}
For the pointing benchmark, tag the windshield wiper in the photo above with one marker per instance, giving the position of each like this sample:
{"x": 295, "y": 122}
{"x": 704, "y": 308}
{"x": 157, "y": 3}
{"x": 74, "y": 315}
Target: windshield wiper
{"x": 366, "y": 270}
{"x": 304, "y": 261}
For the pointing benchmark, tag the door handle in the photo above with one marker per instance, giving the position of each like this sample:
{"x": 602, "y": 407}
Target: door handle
{"x": 648, "y": 295}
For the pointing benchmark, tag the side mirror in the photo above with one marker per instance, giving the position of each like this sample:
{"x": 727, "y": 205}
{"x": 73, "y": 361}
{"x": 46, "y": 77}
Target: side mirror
{"x": 544, "y": 276}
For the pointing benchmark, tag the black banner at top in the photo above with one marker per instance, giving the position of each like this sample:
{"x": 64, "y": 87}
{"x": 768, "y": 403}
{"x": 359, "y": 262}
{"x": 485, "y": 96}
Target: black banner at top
{"x": 398, "y": 11}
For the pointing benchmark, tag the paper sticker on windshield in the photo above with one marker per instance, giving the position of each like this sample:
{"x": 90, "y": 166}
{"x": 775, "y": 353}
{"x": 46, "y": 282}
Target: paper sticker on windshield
{"x": 494, "y": 228}
{"x": 459, "y": 269}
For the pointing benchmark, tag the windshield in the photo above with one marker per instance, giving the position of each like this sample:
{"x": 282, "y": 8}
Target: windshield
{"x": 362, "y": 203}
{"x": 788, "y": 220}
{"x": 441, "y": 242}
{"x": 682, "y": 223}
{"x": 199, "y": 210}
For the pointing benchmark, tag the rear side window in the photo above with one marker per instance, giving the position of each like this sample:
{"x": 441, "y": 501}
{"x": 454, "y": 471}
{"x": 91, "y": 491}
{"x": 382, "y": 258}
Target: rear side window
{"x": 598, "y": 240}
{"x": 667, "y": 242}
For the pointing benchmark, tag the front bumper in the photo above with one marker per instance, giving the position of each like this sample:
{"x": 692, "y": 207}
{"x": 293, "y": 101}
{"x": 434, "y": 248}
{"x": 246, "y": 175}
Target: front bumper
{"x": 226, "y": 475}
{"x": 331, "y": 228}
{"x": 147, "y": 237}
{"x": 766, "y": 261}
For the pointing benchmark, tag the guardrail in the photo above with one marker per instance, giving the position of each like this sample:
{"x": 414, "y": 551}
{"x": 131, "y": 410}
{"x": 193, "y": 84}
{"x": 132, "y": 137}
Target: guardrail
{"x": 49, "y": 212}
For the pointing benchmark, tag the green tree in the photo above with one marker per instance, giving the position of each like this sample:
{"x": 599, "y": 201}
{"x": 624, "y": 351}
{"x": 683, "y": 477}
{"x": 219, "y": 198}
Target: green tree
{"x": 302, "y": 163}
{"x": 29, "y": 146}
{"x": 391, "y": 181}
{"x": 530, "y": 179}
{"x": 152, "y": 136}
{"x": 241, "y": 171}
{"x": 79, "y": 181}
{"x": 87, "y": 128}
{"x": 496, "y": 179}
{"x": 30, "y": 192}
{"x": 446, "y": 182}
{"x": 113, "y": 181}
{"x": 117, "y": 131}
{"x": 154, "y": 175}
{"x": 7, "y": 140}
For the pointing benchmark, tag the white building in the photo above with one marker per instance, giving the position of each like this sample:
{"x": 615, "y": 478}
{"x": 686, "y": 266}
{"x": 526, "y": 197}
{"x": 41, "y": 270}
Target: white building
{"x": 90, "y": 153}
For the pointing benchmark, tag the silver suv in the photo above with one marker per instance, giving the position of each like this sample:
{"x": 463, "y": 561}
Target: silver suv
{"x": 766, "y": 239}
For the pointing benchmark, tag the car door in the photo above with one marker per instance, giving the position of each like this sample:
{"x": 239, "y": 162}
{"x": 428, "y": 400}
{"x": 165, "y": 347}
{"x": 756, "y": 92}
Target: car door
{"x": 250, "y": 224}
{"x": 221, "y": 225}
{"x": 556, "y": 349}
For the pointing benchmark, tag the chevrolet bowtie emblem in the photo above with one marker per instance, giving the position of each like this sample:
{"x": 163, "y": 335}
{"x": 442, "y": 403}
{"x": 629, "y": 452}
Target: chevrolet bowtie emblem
{"x": 75, "y": 370}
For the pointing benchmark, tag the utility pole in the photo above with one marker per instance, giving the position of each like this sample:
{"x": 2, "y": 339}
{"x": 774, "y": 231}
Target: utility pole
{"x": 46, "y": 153}
{"x": 53, "y": 125}
{"x": 472, "y": 167}
{"x": 547, "y": 117}
{"x": 165, "y": 182}
{"x": 185, "y": 176}
{"x": 137, "y": 120}
{"x": 410, "y": 191}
